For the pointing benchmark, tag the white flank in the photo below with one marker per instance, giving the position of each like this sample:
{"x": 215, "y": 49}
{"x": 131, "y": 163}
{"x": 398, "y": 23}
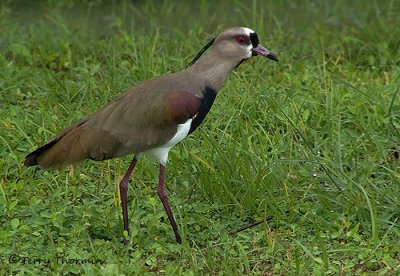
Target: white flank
{"x": 161, "y": 153}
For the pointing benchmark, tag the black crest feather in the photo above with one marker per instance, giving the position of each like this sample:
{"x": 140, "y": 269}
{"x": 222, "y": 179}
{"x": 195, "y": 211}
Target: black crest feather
{"x": 208, "y": 45}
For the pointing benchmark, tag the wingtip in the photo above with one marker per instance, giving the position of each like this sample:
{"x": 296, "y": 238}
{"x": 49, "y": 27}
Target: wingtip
{"x": 30, "y": 160}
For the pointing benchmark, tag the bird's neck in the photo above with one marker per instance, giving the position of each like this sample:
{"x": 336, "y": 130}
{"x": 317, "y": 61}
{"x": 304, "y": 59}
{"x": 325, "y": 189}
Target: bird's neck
{"x": 213, "y": 70}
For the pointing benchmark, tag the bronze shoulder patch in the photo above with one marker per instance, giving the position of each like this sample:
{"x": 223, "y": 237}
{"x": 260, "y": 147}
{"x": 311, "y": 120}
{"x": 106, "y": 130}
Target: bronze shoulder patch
{"x": 181, "y": 106}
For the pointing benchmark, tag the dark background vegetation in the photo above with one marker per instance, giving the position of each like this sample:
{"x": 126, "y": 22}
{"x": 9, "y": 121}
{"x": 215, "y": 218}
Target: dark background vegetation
{"x": 309, "y": 146}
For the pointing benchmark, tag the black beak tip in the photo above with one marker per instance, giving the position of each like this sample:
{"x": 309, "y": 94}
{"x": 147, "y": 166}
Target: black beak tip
{"x": 272, "y": 57}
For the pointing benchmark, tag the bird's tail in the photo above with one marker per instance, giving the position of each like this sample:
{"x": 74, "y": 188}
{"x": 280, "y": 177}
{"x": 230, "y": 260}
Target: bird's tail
{"x": 64, "y": 149}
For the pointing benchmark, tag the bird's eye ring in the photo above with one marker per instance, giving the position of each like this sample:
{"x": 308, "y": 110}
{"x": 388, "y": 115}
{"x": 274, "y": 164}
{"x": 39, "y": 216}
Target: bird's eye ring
{"x": 242, "y": 39}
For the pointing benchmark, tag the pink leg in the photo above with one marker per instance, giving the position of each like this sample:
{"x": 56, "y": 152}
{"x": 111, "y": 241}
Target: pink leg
{"x": 162, "y": 193}
{"x": 123, "y": 189}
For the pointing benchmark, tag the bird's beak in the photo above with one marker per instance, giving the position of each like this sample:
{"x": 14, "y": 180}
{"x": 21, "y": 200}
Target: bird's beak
{"x": 260, "y": 50}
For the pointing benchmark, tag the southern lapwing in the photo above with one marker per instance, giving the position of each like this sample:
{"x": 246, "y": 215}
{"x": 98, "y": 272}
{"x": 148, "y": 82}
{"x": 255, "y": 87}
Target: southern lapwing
{"x": 153, "y": 116}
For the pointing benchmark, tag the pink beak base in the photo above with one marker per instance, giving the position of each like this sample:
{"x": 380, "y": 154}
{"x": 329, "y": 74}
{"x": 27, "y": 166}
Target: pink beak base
{"x": 261, "y": 51}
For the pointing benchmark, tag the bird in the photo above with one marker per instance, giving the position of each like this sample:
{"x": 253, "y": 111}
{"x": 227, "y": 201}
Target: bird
{"x": 152, "y": 116}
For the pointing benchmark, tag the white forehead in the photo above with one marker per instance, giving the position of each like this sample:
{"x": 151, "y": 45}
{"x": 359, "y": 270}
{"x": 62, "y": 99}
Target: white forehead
{"x": 247, "y": 30}
{"x": 249, "y": 47}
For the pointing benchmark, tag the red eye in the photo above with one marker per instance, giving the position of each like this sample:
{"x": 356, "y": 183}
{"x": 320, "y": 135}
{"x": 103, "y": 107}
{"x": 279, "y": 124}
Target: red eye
{"x": 242, "y": 39}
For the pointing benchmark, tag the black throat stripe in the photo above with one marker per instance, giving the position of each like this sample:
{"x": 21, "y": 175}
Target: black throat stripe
{"x": 254, "y": 39}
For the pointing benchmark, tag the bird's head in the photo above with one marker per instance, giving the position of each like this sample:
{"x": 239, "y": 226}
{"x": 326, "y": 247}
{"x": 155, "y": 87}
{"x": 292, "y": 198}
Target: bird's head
{"x": 242, "y": 43}
{"x": 237, "y": 43}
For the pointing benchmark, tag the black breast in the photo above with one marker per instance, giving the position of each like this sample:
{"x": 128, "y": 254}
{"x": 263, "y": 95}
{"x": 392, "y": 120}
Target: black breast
{"x": 206, "y": 102}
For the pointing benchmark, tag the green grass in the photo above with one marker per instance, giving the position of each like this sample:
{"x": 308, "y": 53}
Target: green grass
{"x": 309, "y": 144}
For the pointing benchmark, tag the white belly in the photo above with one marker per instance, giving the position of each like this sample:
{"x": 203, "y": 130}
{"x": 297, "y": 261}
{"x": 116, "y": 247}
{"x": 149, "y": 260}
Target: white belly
{"x": 161, "y": 153}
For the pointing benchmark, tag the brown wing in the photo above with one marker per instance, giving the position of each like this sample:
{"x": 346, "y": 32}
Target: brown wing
{"x": 133, "y": 122}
